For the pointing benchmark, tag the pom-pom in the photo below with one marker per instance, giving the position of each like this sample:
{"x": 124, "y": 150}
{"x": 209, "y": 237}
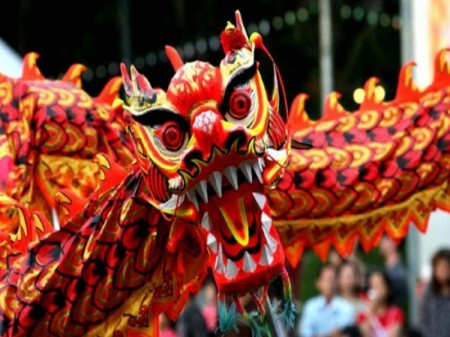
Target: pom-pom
{"x": 232, "y": 39}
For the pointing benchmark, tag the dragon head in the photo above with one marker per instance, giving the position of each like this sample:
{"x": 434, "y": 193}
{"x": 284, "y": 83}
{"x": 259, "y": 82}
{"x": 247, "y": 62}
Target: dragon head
{"x": 209, "y": 147}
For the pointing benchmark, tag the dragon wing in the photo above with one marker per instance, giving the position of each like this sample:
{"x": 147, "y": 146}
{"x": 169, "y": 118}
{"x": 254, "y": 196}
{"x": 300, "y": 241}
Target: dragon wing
{"x": 369, "y": 172}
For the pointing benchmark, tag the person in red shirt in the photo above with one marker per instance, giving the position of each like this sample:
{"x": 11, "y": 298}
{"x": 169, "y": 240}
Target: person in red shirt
{"x": 382, "y": 318}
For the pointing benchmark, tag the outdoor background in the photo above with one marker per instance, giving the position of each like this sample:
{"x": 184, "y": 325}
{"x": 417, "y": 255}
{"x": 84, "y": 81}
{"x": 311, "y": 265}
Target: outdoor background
{"x": 101, "y": 34}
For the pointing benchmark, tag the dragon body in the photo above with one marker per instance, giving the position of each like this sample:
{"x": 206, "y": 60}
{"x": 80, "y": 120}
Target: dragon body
{"x": 50, "y": 132}
{"x": 205, "y": 175}
{"x": 372, "y": 171}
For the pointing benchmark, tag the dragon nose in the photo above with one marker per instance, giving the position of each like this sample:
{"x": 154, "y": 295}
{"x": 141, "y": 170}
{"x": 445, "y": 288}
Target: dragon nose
{"x": 208, "y": 128}
{"x": 204, "y": 122}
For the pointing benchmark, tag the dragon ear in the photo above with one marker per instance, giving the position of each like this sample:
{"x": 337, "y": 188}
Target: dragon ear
{"x": 139, "y": 92}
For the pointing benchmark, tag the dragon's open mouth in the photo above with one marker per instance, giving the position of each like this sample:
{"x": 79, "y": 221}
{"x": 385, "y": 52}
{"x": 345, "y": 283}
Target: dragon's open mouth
{"x": 245, "y": 252}
{"x": 228, "y": 201}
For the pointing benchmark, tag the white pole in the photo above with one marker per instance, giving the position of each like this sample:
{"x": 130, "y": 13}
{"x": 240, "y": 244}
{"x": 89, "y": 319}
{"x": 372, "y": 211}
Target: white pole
{"x": 326, "y": 50}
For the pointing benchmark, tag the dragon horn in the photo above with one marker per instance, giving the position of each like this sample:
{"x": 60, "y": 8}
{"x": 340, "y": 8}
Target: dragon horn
{"x": 126, "y": 80}
{"x": 174, "y": 57}
{"x": 138, "y": 89}
{"x": 144, "y": 87}
{"x": 134, "y": 73}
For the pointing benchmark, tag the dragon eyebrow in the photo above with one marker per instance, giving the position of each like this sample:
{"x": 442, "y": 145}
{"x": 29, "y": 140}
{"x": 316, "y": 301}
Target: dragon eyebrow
{"x": 241, "y": 78}
{"x": 159, "y": 116}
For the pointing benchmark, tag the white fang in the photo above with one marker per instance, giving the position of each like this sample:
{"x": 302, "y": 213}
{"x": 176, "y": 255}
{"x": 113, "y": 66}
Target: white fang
{"x": 266, "y": 257}
{"x": 193, "y": 198}
{"x": 273, "y": 244}
{"x": 202, "y": 190}
{"x": 220, "y": 265}
{"x": 211, "y": 241}
{"x": 232, "y": 270}
{"x": 206, "y": 221}
{"x": 260, "y": 199}
{"x": 266, "y": 221}
{"x": 231, "y": 173}
{"x": 249, "y": 264}
{"x": 246, "y": 170}
{"x": 215, "y": 179}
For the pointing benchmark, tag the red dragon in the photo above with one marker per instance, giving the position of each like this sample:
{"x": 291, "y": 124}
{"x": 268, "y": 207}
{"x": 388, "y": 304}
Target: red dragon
{"x": 153, "y": 193}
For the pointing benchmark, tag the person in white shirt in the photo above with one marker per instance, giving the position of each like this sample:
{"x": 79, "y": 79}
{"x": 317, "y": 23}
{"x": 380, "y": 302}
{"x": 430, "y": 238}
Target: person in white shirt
{"x": 327, "y": 314}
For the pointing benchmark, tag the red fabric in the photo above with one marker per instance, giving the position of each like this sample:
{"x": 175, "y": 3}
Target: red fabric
{"x": 393, "y": 315}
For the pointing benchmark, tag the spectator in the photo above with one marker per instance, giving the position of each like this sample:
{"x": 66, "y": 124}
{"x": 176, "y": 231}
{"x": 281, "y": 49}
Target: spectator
{"x": 191, "y": 322}
{"x": 209, "y": 306}
{"x": 166, "y": 326}
{"x": 434, "y": 306}
{"x": 327, "y": 314}
{"x": 349, "y": 285}
{"x": 395, "y": 269}
{"x": 383, "y": 318}
{"x": 335, "y": 259}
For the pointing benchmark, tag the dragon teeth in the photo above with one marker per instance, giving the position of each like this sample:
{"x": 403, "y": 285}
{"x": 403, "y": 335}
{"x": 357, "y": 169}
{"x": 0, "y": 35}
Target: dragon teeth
{"x": 246, "y": 169}
{"x": 266, "y": 256}
{"x": 220, "y": 265}
{"x": 231, "y": 173}
{"x": 206, "y": 221}
{"x": 261, "y": 164}
{"x": 260, "y": 199}
{"x": 232, "y": 270}
{"x": 211, "y": 241}
{"x": 271, "y": 242}
{"x": 266, "y": 221}
{"x": 193, "y": 198}
{"x": 257, "y": 169}
{"x": 249, "y": 264}
{"x": 215, "y": 179}
{"x": 202, "y": 190}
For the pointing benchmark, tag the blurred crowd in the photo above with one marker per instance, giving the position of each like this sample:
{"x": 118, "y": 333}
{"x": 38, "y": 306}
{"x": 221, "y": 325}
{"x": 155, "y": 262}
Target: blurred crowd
{"x": 353, "y": 300}
{"x": 357, "y": 301}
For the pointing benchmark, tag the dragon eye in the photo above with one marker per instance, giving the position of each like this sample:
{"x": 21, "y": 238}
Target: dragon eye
{"x": 240, "y": 104}
{"x": 171, "y": 136}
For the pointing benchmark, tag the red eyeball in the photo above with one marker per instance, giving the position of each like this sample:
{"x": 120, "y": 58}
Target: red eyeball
{"x": 240, "y": 104}
{"x": 171, "y": 136}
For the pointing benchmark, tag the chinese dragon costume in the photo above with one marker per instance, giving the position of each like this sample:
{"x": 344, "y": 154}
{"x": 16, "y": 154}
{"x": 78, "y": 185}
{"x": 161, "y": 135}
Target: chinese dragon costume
{"x": 114, "y": 211}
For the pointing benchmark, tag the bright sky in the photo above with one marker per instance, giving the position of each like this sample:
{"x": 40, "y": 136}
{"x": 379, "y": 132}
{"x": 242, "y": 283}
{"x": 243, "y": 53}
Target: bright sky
{"x": 10, "y": 61}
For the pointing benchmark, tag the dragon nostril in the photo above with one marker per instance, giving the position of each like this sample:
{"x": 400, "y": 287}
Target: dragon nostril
{"x": 238, "y": 137}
